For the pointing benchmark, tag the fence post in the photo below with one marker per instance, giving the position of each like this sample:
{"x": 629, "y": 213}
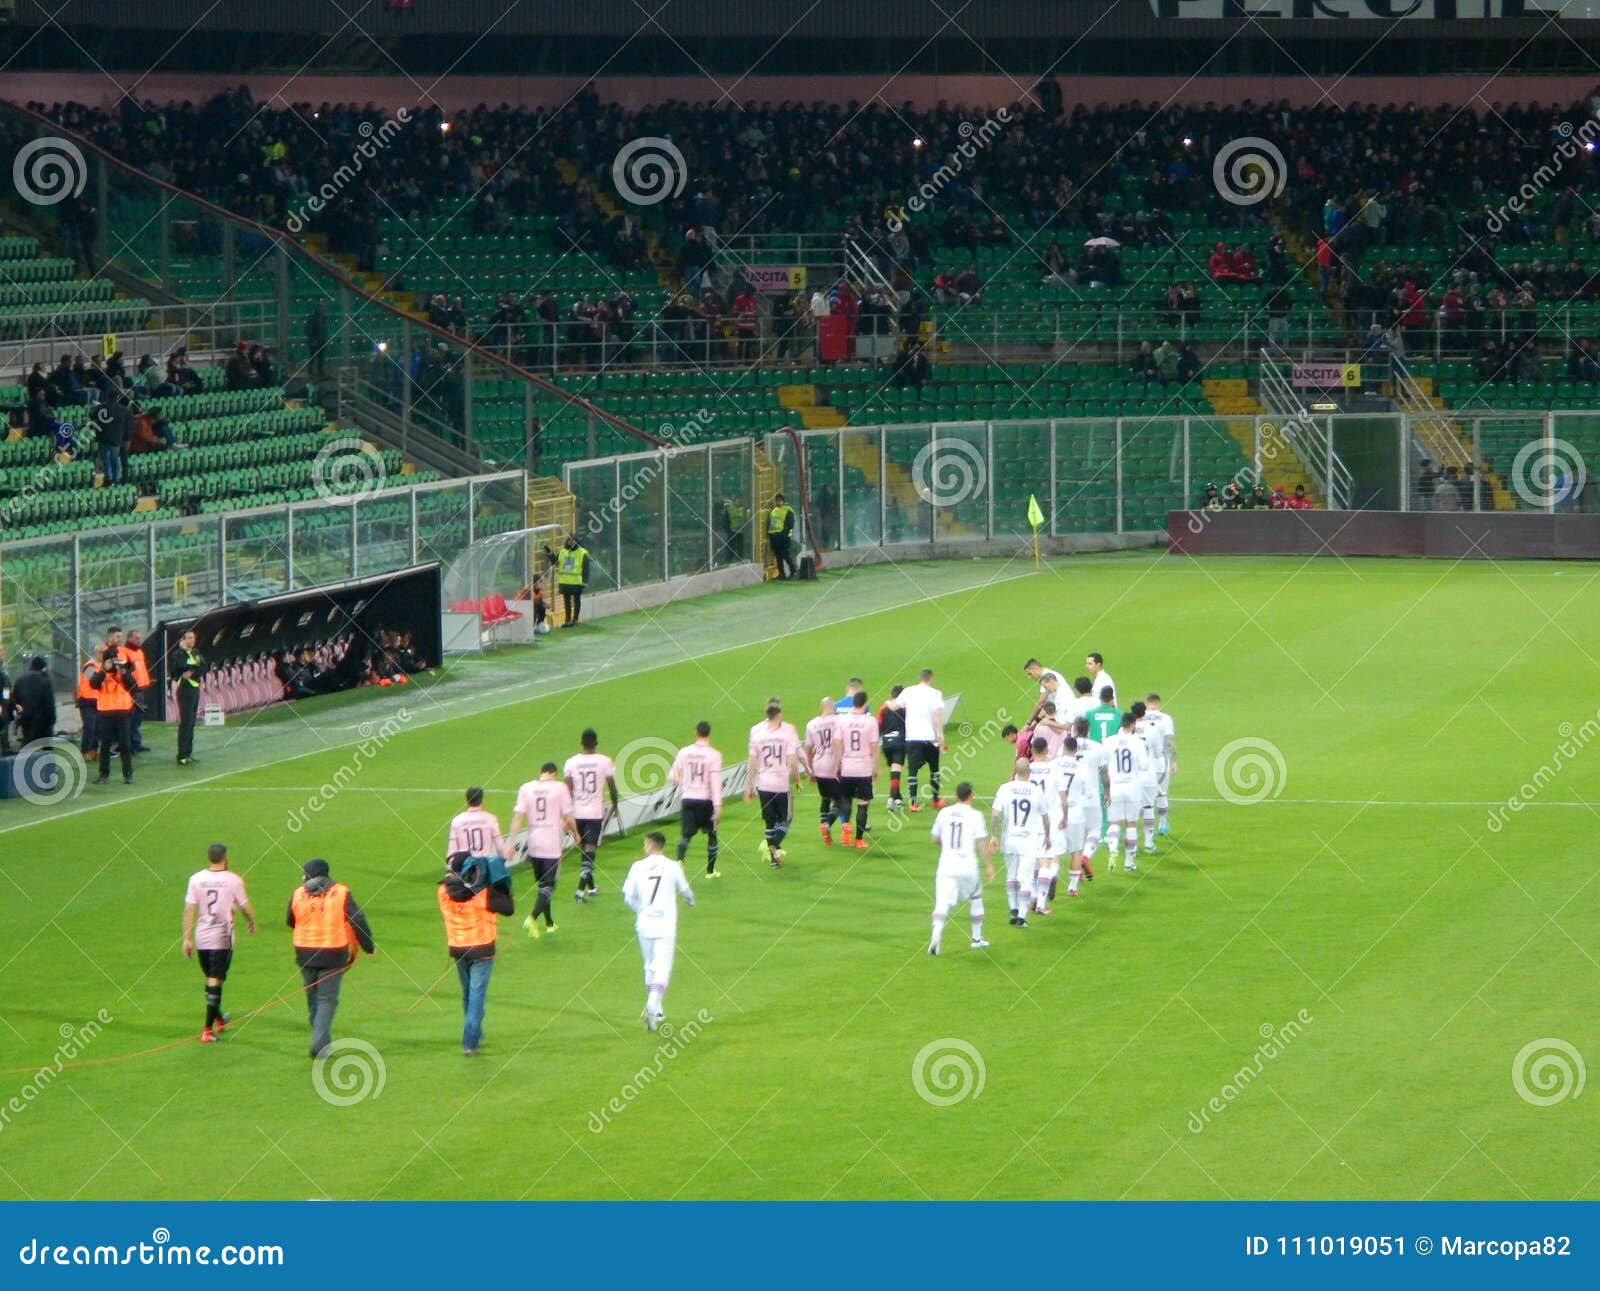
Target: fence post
{"x": 1188, "y": 489}
{"x": 288, "y": 547}
{"x": 1054, "y": 424}
{"x": 1119, "y": 474}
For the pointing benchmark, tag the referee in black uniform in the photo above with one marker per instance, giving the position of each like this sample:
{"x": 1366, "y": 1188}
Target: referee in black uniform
{"x": 187, "y": 670}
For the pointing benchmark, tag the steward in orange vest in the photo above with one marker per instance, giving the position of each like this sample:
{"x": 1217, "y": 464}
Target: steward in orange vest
{"x": 328, "y": 926}
{"x": 112, "y": 681}
{"x": 472, "y": 893}
{"x": 133, "y": 652}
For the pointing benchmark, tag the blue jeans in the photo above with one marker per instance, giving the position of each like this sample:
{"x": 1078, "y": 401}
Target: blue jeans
{"x": 111, "y": 464}
{"x": 474, "y": 975}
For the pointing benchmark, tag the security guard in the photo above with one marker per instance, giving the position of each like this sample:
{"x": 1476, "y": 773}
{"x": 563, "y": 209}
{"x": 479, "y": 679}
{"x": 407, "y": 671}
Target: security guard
{"x": 112, "y": 682}
{"x": 572, "y": 576}
{"x": 780, "y": 535}
{"x": 470, "y": 897}
{"x": 328, "y": 925}
{"x": 187, "y": 670}
{"x": 88, "y": 712}
{"x": 734, "y": 516}
{"x": 133, "y": 652}
{"x": 33, "y": 702}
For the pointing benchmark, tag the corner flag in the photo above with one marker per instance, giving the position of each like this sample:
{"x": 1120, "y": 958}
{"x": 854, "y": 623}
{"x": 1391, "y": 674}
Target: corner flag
{"x": 1035, "y": 519}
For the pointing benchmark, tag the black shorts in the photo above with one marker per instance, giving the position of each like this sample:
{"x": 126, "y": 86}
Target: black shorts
{"x": 774, "y": 807}
{"x": 922, "y": 753}
{"x": 694, "y": 817}
{"x": 855, "y": 788}
{"x": 546, "y": 870}
{"x": 827, "y": 787}
{"x": 215, "y": 963}
{"x": 589, "y": 832}
{"x": 894, "y": 751}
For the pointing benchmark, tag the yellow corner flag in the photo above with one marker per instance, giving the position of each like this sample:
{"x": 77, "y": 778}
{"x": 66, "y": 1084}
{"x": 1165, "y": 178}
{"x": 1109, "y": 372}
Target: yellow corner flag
{"x": 1035, "y": 519}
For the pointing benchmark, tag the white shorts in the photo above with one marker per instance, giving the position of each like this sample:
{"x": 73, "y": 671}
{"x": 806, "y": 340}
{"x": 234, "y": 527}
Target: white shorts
{"x": 1083, "y": 832}
{"x": 951, "y": 888}
{"x": 1021, "y": 866}
{"x": 1163, "y": 779}
{"x": 657, "y": 953}
{"x": 1124, "y": 805}
{"x": 1147, "y": 790}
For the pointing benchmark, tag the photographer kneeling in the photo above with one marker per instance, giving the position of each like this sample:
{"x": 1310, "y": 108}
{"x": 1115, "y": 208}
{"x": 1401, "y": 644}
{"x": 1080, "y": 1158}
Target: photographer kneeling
{"x": 113, "y": 684}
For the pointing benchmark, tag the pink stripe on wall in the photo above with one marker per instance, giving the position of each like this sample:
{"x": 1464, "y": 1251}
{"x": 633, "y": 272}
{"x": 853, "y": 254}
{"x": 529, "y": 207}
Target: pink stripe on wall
{"x": 973, "y": 92}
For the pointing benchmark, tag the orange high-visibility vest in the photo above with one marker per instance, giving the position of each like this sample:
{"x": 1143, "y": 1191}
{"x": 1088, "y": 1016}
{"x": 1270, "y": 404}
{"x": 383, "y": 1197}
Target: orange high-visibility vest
{"x": 467, "y": 923}
{"x": 85, "y": 690}
{"x": 141, "y": 673}
{"x": 112, "y": 696}
{"x": 319, "y": 918}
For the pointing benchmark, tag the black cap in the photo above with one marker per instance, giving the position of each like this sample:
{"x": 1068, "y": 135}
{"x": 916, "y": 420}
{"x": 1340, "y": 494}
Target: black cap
{"x": 316, "y": 868}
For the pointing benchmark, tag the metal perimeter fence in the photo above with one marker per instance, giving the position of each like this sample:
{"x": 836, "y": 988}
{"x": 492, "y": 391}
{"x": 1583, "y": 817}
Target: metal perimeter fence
{"x": 58, "y": 595}
{"x": 865, "y": 486}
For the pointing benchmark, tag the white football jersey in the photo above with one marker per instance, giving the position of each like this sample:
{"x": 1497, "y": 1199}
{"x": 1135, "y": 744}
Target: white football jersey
{"x": 1154, "y": 737}
{"x": 1022, "y": 807}
{"x": 1080, "y": 781}
{"x": 1127, "y": 761}
{"x": 1168, "y": 730}
{"x": 651, "y": 890}
{"x": 957, "y": 829}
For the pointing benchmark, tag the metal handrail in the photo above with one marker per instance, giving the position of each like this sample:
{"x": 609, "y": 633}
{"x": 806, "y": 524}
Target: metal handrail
{"x": 1296, "y": 425}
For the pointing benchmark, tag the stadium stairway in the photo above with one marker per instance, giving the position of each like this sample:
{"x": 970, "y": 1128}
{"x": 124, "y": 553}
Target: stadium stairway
{"x": 666, "y": 269}
{"x": 1447, "y": 441}
{"x": 370, "y": 279}
{"x": 807, "y": 403}
{"x": 1232, "y": 400}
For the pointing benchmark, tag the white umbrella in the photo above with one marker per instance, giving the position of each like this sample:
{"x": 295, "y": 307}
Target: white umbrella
{"x": 1102, "y": 242}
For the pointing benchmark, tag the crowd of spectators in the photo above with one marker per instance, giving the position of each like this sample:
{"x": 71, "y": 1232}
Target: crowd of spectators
{"x": 1234, "y": 496}
{"x": 1363, "y": 178}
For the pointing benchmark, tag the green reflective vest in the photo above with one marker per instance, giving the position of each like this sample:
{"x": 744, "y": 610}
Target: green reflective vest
{"x": 570, "y": 566}
{"x": 778, "y": 519}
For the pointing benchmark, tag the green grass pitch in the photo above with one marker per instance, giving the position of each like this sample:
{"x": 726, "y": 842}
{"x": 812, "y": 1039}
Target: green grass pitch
{"x": 1323, "y": 994}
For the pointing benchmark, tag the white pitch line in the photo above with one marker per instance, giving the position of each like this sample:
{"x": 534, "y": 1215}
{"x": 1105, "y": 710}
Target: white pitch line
{"x": 1197, "y": 802}
{"x": 500, "y": 701}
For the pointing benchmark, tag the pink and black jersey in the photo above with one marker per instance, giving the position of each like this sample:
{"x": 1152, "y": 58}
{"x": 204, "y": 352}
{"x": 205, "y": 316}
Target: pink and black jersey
{"x": 215, "y": 895}
{"x": 822, "y": 748}
{"x": 856, "y": 733}
{"x": 587, "y": 773}
{"x": 774, "y": 751}
{"x": 697, "y": 771}
{"x": 545, "y": 805}
{"x": 476, "y": 832}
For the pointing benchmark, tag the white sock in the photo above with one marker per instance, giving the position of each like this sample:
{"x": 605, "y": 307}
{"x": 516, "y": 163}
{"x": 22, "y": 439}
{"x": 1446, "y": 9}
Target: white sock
{"x": 938, "y": 928}
{"x": 976, "y": 909}
{"x": 653, "y": 1004}
{"x": 1072, "y": 879}
{"x": 1161, "y": 807}
{"x": 1025, "y": 904}
{"x": 1130, "y": 844}
{"x": 1011, "y": 896}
